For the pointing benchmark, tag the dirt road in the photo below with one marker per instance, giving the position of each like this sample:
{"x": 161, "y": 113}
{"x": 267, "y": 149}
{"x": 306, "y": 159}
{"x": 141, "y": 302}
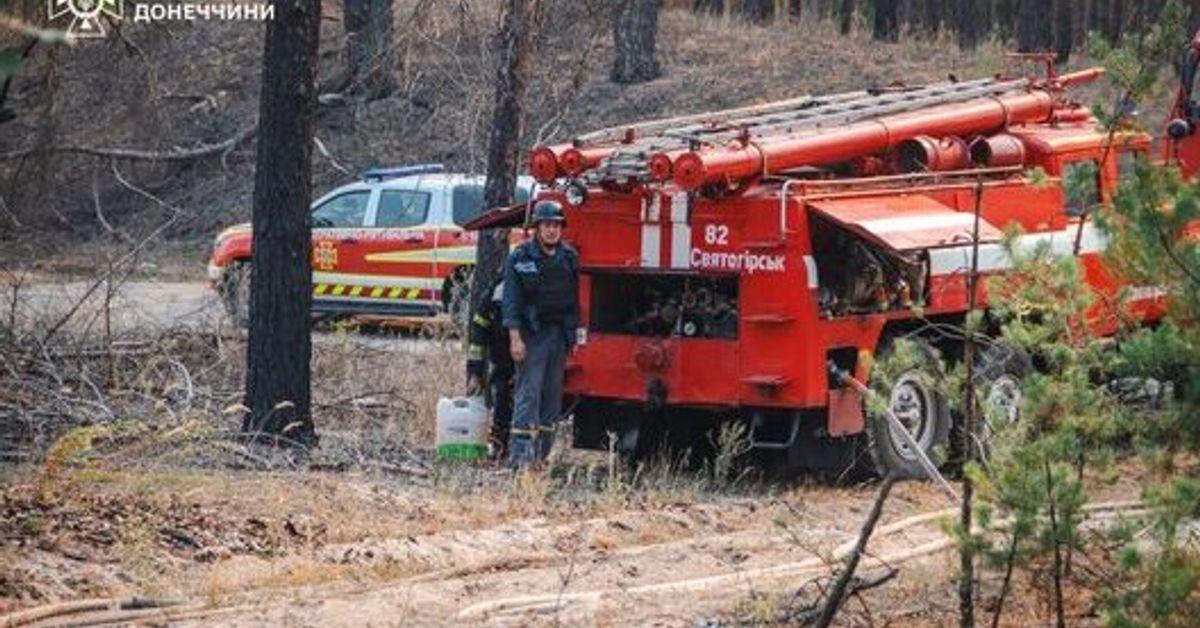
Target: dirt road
{"x": 132, "y": 307}
{"x": 132, "y": 304}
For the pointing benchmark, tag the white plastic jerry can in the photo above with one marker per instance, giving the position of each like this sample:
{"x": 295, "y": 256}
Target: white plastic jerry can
{"x": 462, "y": 424}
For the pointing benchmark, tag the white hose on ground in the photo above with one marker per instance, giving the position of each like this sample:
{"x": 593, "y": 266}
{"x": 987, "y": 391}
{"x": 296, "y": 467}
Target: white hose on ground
{"x": 526, "y": 603}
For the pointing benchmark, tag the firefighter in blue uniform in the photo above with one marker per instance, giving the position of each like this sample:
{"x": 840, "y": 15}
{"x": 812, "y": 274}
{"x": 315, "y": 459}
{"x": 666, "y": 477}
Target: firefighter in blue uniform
{"x": 489, "y": 359}
{"x": 541, "y": 313}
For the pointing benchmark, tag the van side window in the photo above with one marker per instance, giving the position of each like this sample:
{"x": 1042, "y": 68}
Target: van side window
{"x": 1081, "y": 184}
{"x": 402, "y": 208}
{"x": 344, "y": 211}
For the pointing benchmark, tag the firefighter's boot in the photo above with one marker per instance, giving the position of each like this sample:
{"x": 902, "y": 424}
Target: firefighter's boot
{"x": 545, "y": 441}
{"x": 523, "y": 448}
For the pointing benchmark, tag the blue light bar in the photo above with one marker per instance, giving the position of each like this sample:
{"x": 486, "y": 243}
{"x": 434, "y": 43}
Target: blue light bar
{"x": 381, "y": 174}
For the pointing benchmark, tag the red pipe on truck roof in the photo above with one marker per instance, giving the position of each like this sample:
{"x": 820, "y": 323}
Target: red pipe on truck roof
{"x": 739, "y": 162}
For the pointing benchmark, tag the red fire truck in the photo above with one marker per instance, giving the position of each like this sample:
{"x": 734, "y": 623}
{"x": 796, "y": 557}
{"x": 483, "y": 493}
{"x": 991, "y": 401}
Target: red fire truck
{"x": 730, "y": 259}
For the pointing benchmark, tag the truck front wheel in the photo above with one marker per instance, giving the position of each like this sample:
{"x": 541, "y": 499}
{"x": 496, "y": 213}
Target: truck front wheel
{"x": 912, "y": 394}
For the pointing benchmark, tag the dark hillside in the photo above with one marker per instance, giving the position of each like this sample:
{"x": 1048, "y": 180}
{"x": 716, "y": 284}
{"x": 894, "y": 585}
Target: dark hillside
{"x": 163, "y": 86}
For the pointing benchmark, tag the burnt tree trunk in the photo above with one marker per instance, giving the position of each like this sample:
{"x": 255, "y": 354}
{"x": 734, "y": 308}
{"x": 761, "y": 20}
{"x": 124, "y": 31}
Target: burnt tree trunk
{"x": 886, "y": 25}
{"x": 846, "y": 16}
{"x": 970, "y": 23}
{"x": 796, "y": 9}
{"x": 279, "y": 347}
{"x": 930, "y": 17}
{"x": 758, "y": 10}
{"x": 513, "y": 42}
{"x": 1006, "y": 19}
{"x": 369, "y": 60}
{"x": 833, "y": 600}
{"x": 1032, "y": 26}
{"x": 1115, "y": 25}
{"x": 635, "y": 30}
{"x": 1193, "y": 18}
{"x": 1064, "y": 28}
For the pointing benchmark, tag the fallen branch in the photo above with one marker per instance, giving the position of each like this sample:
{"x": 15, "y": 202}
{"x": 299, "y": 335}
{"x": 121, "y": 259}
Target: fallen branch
{"x": 41, "y": 613}
{"x": 834, "y": 600}
{"x": 131, "y": 154}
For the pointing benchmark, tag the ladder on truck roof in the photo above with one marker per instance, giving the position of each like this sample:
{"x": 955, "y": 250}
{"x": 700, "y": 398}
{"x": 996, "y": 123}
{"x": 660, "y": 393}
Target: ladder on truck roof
{"x": 634, "y": 144}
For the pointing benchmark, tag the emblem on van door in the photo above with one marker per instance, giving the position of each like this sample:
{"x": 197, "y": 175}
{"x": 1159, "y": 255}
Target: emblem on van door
{"x": 325, "y": 255}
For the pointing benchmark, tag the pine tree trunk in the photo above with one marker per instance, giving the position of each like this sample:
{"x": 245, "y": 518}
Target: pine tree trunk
{"x": 1193, "y": 19}
{"x": 886, "y": 26}
{"x": 796, "y": 9}
{"x": 758, "y": 10}
{"x": 1101, "y": 13}
{"x": 1006, "y": 19}
{"x": 635, "y": 30}
{"x": 370, "y": 63}
{"x": 930, "y": 18}
{"x": 513, "y": 42}
{"x": 1116, "y": 20}
{"x": 846, "y": 16}
{"x": 1064, "y": 28}
{"x": 1031, "y": 22}
{"x": 969, "y": 23}
{"x": 279, "y": 346}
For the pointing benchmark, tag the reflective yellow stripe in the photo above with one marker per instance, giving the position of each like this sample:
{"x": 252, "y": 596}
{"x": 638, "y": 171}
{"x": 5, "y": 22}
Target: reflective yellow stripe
{"x": 475, "y": 352}
{"x": 394, "y": 293}
{"x": 481, "y": 321}
{"x": 321, "y": 288}
{"x": 338, "y": 290}
{"x": 414, "y": 293}
{"x": 376, "y": 293}
{"x": 356, "y": 290}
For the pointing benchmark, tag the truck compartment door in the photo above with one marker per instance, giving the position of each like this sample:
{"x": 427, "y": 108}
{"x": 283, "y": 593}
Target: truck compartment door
{"x": 905, "y": 223}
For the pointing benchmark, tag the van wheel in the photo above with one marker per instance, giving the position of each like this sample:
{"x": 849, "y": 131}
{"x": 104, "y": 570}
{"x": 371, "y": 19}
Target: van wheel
{"x": 910, "y": 390}
{"x": 456, "y": 299}
{"x": 235, "y": 293}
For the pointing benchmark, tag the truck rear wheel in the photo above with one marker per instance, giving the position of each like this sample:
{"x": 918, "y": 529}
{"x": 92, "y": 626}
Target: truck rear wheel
{"x": 916, "y": 400}
{"x": 999, "y": 374}
{"x": 235, "y": 293}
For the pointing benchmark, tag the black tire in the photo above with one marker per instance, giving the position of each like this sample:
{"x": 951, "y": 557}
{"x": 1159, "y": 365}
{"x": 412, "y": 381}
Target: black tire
{"x": 999, "y": 374}
{"x": 913, "y": 394}
{"x": 235, "y": 293}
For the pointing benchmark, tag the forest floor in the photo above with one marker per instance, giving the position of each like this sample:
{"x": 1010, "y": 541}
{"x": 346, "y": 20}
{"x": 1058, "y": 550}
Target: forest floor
{"x": 122, "y": 477}
{"x": 162, "y": 504}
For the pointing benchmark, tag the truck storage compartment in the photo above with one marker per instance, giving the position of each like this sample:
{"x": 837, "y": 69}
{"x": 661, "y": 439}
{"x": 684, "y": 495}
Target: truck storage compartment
{"x": 860, "y": 277}
{"x": 664, "y": 305}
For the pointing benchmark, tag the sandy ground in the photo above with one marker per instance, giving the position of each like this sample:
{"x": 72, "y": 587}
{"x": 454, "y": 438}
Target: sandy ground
{"x": 513, "y": 557}
{"x": 440, "y": 544}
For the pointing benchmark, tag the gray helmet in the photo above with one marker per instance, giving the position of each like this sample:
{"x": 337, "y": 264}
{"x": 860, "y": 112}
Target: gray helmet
{"x": 547, "y": 211}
